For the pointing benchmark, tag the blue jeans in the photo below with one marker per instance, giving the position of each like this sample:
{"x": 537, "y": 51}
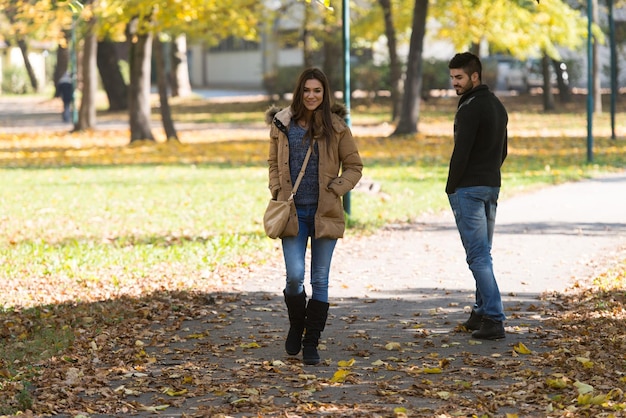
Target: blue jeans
{"x": 294, "y": 251}
{"x": 475, "y": 215}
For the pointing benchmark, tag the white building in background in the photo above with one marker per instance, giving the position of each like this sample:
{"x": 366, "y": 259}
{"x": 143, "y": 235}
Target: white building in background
{"x": 11, "y": 57}
{"x": 244, "y": 64}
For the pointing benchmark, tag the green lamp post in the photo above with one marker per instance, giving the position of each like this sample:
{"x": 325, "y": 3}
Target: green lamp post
{"x": 76, "y": 7}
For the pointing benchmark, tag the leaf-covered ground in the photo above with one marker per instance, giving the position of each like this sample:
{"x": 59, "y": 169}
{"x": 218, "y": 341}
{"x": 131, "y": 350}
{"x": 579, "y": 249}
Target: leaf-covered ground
{"x": 221, "y": 354}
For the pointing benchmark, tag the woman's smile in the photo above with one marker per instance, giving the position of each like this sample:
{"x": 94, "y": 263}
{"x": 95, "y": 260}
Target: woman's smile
{"x": 313, "y": 94}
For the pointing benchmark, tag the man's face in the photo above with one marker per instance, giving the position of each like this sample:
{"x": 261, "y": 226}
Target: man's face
{"x": 461, "y": 82}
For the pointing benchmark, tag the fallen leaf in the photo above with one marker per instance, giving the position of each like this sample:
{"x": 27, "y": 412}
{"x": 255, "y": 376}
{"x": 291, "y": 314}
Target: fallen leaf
{"x": 173, "y": 392}
{"x": 340, "y": 376}
{"x": 249, "y": 345}
{"x": 344, "y": 363}
{"x": 393, "y": 346}
{"x": 583, "y": 387}
{"x": 444, "y": 395}
{"x": 587, "y": 363}
{"x": 521, "y": 348}
{"x": 558, "y": 383}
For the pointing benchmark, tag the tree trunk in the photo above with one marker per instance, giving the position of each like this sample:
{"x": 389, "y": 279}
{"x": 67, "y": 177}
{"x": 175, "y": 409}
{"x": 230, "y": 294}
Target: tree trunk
{"x": 565, "y": 93}
{"x": 21, "y": 42}
{"x": 409, "y": 113}
{"x": 179, "y": 76}
{"x": 111, "y": 76}
{"x": 548, "y": 96}
{"x": 395, "y": 69}
{"x": 166, "y": 112}
{"x": 332, "y": 49}
{"x": 139, "y": 89}
{"x": 87, "y": 111}
{"x": 597, "y": 86}
{"x": 62, "y": 64}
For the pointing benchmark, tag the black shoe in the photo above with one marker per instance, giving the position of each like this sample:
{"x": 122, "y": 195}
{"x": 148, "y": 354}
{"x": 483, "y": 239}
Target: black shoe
{"x": 315, "y": 322}
{"x": 474, "y": 322}
{"x": 489, "y": 330}
{"x": 310, "y": 356}
{"x": 296, "y": 308}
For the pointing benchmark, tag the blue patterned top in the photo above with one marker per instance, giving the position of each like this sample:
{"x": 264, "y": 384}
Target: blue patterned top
{"x": 308, "y": 192}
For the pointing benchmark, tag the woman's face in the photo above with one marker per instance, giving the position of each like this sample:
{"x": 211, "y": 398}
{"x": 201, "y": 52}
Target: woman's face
{"x": 313, "y": 94}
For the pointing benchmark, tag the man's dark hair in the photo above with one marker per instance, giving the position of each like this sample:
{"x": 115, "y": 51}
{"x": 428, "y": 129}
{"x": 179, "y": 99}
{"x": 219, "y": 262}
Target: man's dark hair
{"x": 468, "y": 62}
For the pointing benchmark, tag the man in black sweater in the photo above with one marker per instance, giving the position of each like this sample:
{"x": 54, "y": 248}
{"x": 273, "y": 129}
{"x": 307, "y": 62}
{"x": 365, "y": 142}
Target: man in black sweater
{"x": 480, "y": 147}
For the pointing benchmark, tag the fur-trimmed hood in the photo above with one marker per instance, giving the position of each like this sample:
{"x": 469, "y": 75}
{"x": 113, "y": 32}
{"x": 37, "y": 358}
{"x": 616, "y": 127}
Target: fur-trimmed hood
{"x": 284, "y": 114}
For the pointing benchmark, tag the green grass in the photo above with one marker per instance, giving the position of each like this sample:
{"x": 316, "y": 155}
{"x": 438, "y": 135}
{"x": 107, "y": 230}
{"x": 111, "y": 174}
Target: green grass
{"x": 121, "y": 223}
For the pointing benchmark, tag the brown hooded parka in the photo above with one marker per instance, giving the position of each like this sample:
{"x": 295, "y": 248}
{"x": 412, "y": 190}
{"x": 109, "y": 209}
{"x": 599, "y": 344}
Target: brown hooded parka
{"x": 335, "y": 153}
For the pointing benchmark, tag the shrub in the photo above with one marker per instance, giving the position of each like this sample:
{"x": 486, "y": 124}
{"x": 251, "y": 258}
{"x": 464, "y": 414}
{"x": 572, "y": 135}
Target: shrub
{"x": 282, "y": 81}
{"x": 15, "y": 81}
{"x": 435, "y": 75}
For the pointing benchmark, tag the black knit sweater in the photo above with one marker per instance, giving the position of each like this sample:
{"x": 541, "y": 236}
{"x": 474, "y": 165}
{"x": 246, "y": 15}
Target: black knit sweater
{"x": 480, "y": 140}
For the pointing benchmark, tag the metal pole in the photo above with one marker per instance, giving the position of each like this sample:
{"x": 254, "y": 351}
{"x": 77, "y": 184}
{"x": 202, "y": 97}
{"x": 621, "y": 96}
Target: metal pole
{"x": 346, "y": 79}
{"x": 589, "y": 83}
{"x": 613, "y": 68}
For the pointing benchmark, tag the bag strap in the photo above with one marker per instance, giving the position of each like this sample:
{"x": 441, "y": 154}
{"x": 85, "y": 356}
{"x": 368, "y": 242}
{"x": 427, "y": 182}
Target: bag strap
{"x": 299, "y": 179}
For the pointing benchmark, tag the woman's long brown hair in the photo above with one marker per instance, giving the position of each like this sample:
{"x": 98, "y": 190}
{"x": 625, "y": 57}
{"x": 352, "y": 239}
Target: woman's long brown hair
{"x": 321, "y": 124}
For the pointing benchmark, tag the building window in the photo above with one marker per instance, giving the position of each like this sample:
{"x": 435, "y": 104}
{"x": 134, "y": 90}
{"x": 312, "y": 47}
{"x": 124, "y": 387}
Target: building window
{"x": 232, "y": 44}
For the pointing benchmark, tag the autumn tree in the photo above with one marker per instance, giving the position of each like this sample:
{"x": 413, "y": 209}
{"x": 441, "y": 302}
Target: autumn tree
{"x": 397, "y": 24}
{"x": 139, "y": 108}
{"x": 395, "y": 68}
{"x": 166, "y": 113}
{"x": 522, "y": 28}
{"x": 87, "y": 110}
{"x": 409, "y": 112}
{"x": 199, "y": 20}
{"x": 28, "y": 20}
{"x": 179, "y": 76}
{"x": 18, "y": 21}
{"x": 113, "y": 83}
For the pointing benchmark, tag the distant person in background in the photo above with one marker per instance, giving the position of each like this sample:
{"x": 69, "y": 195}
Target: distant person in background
{"x": 474, "y": 179}
{"x": 65, "y": 90}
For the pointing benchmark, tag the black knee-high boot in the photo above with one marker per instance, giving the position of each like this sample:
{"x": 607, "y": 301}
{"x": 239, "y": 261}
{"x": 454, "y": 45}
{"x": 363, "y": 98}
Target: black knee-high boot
{"x": 296, "y": 308}
{"x": 314, "y": 323}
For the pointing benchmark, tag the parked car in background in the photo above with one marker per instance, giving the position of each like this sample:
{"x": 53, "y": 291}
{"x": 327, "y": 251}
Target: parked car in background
{"x": 524, "y": 76}
{"x": 515, "y": 76}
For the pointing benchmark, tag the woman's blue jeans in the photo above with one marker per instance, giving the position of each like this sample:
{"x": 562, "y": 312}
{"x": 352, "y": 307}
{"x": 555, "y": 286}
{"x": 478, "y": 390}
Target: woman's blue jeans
{"x": 475, "y": 215}
{"x": 294, "y": 251}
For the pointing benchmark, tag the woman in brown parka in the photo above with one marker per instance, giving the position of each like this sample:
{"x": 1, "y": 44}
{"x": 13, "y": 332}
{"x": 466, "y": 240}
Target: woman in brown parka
{"x": 312, "y": 120}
